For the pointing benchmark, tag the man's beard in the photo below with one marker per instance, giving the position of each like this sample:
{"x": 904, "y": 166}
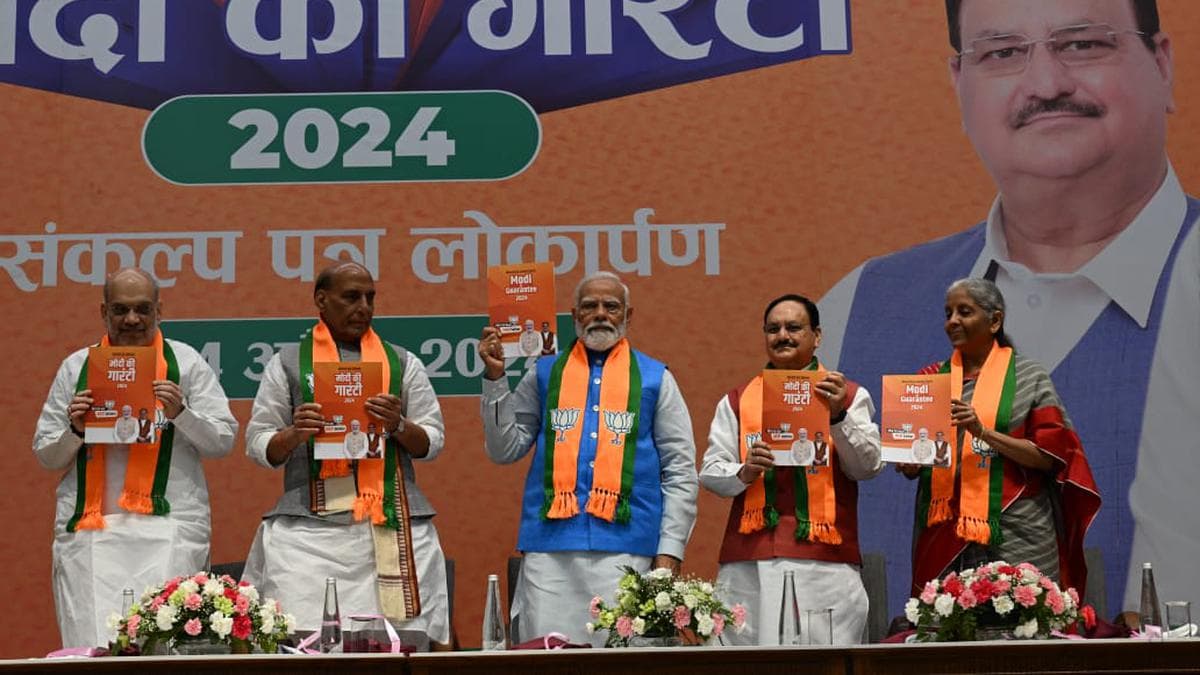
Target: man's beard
{"x": 599, "y": 336}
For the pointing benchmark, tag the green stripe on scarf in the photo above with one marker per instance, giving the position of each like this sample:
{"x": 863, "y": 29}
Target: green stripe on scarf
{"x": 306, "y": 393}
{"x": 996, "y": 469}
{"x": 162, "y": 468}
{"x": 81, "y": 459}
{"x": 391, "y": 449}
{"x": 624, "y": 512}
{"x": 800, "y": 481}
{"x": 553, "y": 389}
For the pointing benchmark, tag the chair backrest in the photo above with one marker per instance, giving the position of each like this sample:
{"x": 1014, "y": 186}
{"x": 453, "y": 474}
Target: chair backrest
{"x": 874, "y": 578}
{"x": 514, "y": 573}
{"x": 1095, "y": 594}
{"x": 233, "y": 569}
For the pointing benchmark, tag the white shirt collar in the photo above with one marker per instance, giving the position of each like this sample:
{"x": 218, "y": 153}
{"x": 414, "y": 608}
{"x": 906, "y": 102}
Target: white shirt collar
{"x": 1128, "y": 269}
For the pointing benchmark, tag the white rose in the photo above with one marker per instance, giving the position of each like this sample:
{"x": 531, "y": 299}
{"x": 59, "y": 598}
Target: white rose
{"x": 639, "y": 626}
{"x": 912, "y": 610}
{"x": 1003, "y": 604}
{"x": 663, "y": 600}
{"x": 704, "y": 624}
{"x": 1026, "y": 630}
{"x": 289, "y": 622}
{"x": 113, "y": 622}
{"x": 944, "y": 604}
{"x": 165, "y": 618}
{"x": 221, "y": 625}
{"x": 189, "y": 587}
{"x": 689, "y": 600}
{"x": 660, "y": 573}
{"x": 706, "y": 587}
{"x": 591, "y": 627}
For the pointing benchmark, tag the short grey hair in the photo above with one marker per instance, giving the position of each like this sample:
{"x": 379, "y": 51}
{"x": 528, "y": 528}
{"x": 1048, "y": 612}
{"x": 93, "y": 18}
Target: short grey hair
{"x": 983, "y": 292}
{"x": 989, "y": 298}
{"x": 597, "y": 276}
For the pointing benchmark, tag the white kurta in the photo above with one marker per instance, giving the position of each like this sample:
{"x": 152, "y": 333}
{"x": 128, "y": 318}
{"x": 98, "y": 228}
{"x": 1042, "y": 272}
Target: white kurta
{"x": 555, "y": 591}
{"x": 92, "y": 567}
{"x": 758, "y": 584}
{"x": 293, "y": 555}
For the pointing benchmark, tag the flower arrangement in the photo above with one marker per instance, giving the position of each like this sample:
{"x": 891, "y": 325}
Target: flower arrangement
{"x": 206, "y": 608}
{"x": 658, "y": 604}
{"x": 995, "y": 595}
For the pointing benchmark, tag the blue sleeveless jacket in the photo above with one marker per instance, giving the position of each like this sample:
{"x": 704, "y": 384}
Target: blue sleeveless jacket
{"x": 585, "y": 532}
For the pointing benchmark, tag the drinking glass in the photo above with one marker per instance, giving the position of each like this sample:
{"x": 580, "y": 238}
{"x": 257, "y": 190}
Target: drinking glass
{"x": 1179, "y": 614}
{"x": 819, "y": 625}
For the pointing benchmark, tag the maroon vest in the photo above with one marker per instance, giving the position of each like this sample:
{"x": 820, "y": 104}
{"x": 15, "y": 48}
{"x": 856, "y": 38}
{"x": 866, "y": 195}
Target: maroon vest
{"x": 780, "y": 541}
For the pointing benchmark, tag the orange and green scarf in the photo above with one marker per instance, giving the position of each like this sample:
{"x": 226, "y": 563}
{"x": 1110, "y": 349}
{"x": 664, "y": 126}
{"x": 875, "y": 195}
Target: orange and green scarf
{"x": 616, "y": 443}
{"x": 376, "y": 479}
{"x": 380, "y": 493}
{"x": 816, "y": 506}
{"x": 148, "y": 467}
{"x": 980, "y": 484}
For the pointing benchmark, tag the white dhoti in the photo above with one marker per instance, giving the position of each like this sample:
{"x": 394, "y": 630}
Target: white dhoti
{"x": 91, "y": 567}
{"x": 292, "y": 556}
{"x": 758, "y": 585}
{"x": 555, "y": 590}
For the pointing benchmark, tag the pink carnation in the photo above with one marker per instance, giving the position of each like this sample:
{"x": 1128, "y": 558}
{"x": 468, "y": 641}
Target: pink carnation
{"x": 1028, "y": 566}
{"x": 624, "y": 627}
{"x": 1046, "y": 583}
{"x": 929, "y": 593}
{"x": 200, "y": 579}
{"x": 1025, "y": 596}
{"x": 242, "y": 604}
{"x": 131, "y": 625}
{"x": 1055, "y": 601}
{"x": 193, "y": 627}
{"x": 594, "y": 606}
{"x": 739, "y": 614}
{"x": 243, "y": 583}
{"x": 683, "y": 617}
{"x": 1001, "y": 587}
{"x": 1074, "y": 595}
{"x": 967, "y": 599}
{"x": 193, "y": 601}
{"x": 984, "y": 570}
{"x": 718, "y": 623}
{"x": 157, "y": 602}
{"x": 227, "y": 580}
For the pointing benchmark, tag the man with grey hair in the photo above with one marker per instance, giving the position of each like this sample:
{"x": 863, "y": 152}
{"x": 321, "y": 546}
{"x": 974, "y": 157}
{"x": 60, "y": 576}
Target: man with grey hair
{"x": 365, "y": 522}
{"x": 1092, "y": 239}
{"x": 129, "y": 515}
{"x": 613, "y": 478}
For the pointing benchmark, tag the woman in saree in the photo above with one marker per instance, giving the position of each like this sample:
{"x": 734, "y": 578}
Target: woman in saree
{"x": 1018, "y": 487}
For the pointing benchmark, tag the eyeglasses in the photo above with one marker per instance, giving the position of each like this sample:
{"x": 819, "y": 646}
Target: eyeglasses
{"x": 1009, "y": 54}
{"x": 789, "y": 328}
